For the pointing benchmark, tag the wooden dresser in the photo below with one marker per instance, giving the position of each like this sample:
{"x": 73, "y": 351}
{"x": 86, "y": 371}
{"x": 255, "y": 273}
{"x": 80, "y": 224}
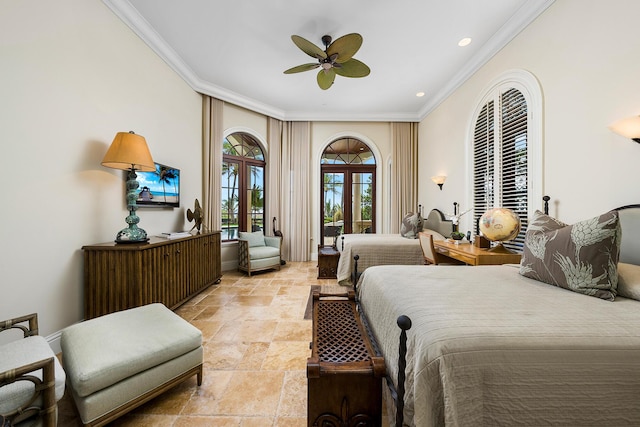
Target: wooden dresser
{"x": 122, "y": 276}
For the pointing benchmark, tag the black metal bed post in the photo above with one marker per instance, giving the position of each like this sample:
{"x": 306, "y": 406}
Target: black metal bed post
{"x": 405, "y": 324}
{"x": 546, "y": 204}
{"x": 355, "y": 276}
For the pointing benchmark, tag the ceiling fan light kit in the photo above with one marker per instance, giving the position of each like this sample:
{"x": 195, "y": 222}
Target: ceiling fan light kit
{"x": 335, "y": 59}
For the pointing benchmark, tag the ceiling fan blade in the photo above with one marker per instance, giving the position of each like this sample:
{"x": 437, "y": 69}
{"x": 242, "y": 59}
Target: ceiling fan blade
{"x": 326, "y": 78}
{"x": 309, "y": 48}
{"x": 346, "y": 46}
{"x": 352, "y": 68}
{"x": 301, "y": 68}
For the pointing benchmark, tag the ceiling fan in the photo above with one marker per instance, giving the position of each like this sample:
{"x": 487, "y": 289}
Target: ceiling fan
{"x": 336, "y": 58}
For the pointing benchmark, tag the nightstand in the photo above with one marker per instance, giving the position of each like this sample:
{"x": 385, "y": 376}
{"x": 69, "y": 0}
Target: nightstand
{"x": 328, "y": 257}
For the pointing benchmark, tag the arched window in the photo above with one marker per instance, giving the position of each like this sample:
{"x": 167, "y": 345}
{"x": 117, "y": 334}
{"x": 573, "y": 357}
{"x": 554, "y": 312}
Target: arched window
{"x": 506, "y": 150}
{"x": 243, "y": 189}
{"x": 348, "y": 189}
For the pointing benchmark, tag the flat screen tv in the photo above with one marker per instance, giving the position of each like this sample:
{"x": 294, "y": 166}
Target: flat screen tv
{"x": 160, "y": 188}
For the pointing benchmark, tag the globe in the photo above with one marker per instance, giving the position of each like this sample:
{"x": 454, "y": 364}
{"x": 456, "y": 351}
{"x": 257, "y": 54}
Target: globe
{"x": 500, "y": 224}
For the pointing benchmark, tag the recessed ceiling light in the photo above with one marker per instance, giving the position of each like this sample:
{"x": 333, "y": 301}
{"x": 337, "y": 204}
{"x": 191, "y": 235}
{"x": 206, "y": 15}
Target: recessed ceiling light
{"x": 464, "y": 42}
{"x": 420, "y": 94}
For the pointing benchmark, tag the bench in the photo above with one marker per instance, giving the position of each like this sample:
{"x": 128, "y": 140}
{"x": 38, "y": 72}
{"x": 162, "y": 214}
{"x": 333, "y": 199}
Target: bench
{"x": 344, "y": 372}
{"x": 119, "y": 361}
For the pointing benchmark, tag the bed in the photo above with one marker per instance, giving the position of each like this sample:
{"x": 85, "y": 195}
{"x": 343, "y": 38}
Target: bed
{"x": 488, "y": 346}
{"x": 385, "y": 249}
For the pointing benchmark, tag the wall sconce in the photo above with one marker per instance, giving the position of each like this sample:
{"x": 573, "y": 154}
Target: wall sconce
{"x": 629, "y": 128}
{"x": 130, "y": 152}
{"x": 439, "y": 180}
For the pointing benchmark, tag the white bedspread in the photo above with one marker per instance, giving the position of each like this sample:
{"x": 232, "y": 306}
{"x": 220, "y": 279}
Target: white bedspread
{"x": 376, "y": 249}
{"x": 489, "y": 347}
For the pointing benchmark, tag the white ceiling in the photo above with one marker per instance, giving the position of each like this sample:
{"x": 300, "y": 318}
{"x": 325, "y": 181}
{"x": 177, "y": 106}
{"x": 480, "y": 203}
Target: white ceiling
{"x": 237, "y": 50}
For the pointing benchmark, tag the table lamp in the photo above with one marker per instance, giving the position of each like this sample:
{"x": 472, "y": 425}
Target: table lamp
{"x": 130, "y": 152}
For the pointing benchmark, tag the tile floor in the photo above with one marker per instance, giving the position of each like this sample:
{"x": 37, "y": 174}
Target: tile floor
{"x": 256, "y": 345}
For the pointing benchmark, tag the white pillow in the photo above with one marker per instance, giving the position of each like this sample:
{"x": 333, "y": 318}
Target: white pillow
{"x": 255, "y": 239}
{"x": 629, "y": 280}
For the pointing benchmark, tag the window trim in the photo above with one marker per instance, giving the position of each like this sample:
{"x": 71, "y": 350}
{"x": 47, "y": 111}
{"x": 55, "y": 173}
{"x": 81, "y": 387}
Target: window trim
{"x": 528, "y": 85}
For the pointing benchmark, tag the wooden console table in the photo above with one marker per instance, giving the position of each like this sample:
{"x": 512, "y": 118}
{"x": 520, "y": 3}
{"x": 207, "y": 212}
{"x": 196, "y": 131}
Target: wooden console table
{"x": 122, "y": 276}
{"x": 472, "y": 255}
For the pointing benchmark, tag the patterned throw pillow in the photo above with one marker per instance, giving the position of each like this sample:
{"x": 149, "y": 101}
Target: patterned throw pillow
{"x": 411, "y": 225}
{"x": 582, "y": 257}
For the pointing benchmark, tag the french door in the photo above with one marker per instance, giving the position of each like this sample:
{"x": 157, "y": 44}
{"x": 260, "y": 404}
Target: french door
{"x": 348, "y": 200}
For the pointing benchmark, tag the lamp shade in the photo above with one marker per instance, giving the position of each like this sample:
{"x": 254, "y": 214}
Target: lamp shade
{"x": 129, "y": 151}
{"x": 629, "y": 128}
{"x": 439, "y": 179}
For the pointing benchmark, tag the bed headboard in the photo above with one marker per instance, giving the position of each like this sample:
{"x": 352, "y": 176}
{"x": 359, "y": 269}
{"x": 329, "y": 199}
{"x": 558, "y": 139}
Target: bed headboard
{"x": 438, "y": 222}
{"x": 630, "y": 224}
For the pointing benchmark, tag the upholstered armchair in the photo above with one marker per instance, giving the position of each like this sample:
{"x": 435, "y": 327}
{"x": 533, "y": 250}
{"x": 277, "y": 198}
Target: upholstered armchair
{"x": 31, "y": 378}
{"x": 258, "y": 252}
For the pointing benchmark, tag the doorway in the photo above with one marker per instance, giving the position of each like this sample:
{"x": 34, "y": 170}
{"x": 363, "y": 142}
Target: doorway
{"x": 348, "y": 189}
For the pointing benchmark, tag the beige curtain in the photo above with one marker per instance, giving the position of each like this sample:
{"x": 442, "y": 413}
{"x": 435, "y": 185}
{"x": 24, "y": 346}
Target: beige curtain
{"x": 274, "y": 175}
{"x": 212, "y": 135}
{"x": 295, "y": 190}
{"x": 404, "y": 172}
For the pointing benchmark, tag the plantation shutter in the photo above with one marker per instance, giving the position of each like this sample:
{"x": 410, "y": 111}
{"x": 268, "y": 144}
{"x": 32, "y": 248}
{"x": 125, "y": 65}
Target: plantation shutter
{"x": 500, "y": 175}
{"x": 513, "y": 167}
{"x": 483, "y": 161}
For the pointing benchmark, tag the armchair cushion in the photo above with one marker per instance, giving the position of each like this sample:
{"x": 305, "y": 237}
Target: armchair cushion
{"x": 255, "y": 239}
{"x": 23, "y": 352}
{"x": 262, "y": 252}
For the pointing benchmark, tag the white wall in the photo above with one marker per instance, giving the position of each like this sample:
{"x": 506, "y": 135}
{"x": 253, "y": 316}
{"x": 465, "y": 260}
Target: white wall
{"x": 585, "y": 55}
{"x": 72, "y": 76}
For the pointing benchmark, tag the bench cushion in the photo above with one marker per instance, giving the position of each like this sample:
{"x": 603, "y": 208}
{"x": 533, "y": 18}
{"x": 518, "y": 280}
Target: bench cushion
{"x": 103, "y": 351}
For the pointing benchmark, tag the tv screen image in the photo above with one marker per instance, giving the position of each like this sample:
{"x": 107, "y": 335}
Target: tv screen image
{"x": 160, "y": 188}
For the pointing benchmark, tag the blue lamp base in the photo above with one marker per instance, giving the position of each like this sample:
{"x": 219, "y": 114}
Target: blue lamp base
{"x": 132, "y": 234}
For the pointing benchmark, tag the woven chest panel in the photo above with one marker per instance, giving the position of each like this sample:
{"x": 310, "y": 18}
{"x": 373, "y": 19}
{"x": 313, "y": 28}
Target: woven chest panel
{"x": 339, "y": 337}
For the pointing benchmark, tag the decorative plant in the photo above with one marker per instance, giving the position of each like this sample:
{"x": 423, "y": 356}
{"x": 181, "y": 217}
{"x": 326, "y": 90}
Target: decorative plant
{"x": 457, "y": 235}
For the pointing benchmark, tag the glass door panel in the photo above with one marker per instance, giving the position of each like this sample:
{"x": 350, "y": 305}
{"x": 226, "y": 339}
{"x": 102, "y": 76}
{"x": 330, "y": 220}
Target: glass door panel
{"x": 229, "y": 206}
{"x": 361, "y": 202}
{"x": 333, "y": 206}
{"x": 255, "y": 197}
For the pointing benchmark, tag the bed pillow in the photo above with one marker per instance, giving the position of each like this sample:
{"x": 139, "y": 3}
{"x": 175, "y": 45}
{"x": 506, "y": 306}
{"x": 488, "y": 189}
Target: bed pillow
{"x": 582, "y": 257}
{"x": 255, "y": 239}
{"x": 629, "y": 280}
{"x": 411, "y": 225}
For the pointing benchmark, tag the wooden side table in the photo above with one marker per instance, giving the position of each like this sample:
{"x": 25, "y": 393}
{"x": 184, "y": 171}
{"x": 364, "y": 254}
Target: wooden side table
{"x": 472, "y": 255}
{"x": 328, "y": 257}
